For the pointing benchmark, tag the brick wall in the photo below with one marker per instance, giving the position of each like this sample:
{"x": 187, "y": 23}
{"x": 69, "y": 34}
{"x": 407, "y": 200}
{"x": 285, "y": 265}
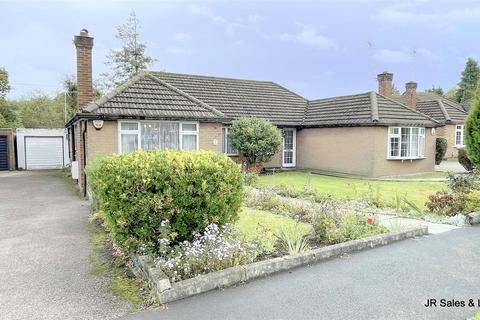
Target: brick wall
{"x": 84, "y": 44}
{"x": 103, "y": 141}
{"x": 209, "y": 134}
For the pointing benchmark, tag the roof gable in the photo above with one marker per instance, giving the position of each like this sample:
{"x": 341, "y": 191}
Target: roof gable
{"x": 149, "y": 97}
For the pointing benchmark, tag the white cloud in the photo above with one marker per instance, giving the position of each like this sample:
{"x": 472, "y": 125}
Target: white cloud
{"x": 403, "y": 14}
{"x": 230, "y": 27}
{"x": 178, "y": 51}
{"x": 404, "y": 55}
{"x": 254, "y": 18}
{"x": 392, "y": 56}
{"x": 309, "y": 36}
{"x": 181, "y": 36}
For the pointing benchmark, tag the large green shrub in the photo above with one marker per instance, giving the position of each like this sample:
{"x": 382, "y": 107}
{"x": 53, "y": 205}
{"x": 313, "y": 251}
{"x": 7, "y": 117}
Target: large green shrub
{"x": 256, "y": 139}
{"x": 472, "y": 131}
{"x": 440, "y": 149}
{"x": 137, "y": 191}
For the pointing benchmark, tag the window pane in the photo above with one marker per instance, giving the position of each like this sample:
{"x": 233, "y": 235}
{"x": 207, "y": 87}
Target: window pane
{"x": 168, "y": 136}
{"x": 421, "y": 146}
{"x": 189, "y": 127}
{"x": 129, "y": 142}
{"x": 394, "y": 145}
{"x": 288, "y": 140}
{"x": 189, "y": 142}
{"x": 393, "y": 130}
{"x": 405, "y": 144}
{"x": 414, "y": 142}
{"x": 150, "y": 135}
{"x": 129, "y": 126}
{"x": 227, "y": 145}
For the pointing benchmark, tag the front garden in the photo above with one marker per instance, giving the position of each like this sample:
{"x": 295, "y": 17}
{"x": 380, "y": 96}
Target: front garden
{"x": 197, "y": 212}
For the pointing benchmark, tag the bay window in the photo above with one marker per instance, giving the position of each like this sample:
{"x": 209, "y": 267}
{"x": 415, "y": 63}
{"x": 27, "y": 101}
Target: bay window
{"x": 227, "y": 145}
{"x": 459, "y": 136}
{"x": 406, "y": 143}
{"x": 150, "y": 135}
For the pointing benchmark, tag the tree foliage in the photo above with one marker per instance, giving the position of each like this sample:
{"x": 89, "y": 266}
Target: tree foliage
{"x": 4, "y": 83}
{"x": 256, "y": 139}
{"x": 440, "y": 149}
{"x": 469, "y": 80}
{"x": 131, "y": 58}
{"x": 472, "y": 131}
{"x": 436, "y": 90}
{"x": 70, "y": 89}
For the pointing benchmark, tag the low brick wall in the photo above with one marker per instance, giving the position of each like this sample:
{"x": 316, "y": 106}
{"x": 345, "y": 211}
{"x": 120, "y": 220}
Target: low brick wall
{"x": 168, "y": 292}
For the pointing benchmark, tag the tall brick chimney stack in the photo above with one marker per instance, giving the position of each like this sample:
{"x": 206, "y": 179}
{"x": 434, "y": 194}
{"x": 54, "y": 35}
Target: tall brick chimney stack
{"x": 84, "y": 45}
{"x": 411, "y": 94}
{"x": 385, "y": 83}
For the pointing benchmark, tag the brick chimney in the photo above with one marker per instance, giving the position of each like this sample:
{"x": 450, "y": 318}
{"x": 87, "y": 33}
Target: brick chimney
{"x": 385, "y": 83}
{"x": 84, "y": 45}
{"x": 411, "y": 94}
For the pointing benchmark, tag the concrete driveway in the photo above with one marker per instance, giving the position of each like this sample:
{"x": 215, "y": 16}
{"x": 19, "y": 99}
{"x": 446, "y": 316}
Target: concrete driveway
{"x": 391, "y": 282}
{"x": 44, "y": 252}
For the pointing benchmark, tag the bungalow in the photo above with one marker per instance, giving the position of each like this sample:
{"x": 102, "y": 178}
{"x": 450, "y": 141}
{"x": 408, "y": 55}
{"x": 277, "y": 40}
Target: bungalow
{"x": 367, "y": 134}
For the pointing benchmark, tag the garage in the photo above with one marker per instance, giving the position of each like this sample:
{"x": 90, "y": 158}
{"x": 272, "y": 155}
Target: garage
{"x": 39, "y": 149}
{"x": 7, "y": 150}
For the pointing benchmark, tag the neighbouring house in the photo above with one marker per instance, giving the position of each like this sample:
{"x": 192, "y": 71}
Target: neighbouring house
{"x": 449, "y": 114}
{"x": 366, "y": 134}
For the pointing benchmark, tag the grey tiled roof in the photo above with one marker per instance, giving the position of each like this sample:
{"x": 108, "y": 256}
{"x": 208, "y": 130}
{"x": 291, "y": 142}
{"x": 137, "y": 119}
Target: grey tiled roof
{"x": 148, "y": 97}
{"x": 439, "y": 108}
{"x": 236, "y": 98}
{"x": 162, "y": 95}
{"x": 368, "y": 108}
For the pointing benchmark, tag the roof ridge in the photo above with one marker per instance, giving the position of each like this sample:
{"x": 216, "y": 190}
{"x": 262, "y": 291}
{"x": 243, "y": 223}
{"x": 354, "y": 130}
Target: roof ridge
{"x": 374, "y": 106}
{"x": 305, "y": 112}
{"x": 444, "y": 111}
{"x": 186, "y": 95}
{"x": 94, "y": 105}
{"x": 407, "y": 107}
{"x": 344, "y": 96}
{"x": 454, "y": 104}
{"x": 286, "y": 89}
{"x": 209, "y": 77}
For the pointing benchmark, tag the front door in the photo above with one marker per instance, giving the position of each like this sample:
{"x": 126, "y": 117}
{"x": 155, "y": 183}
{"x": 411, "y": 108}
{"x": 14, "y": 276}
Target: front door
{"x": 289, "y": 142}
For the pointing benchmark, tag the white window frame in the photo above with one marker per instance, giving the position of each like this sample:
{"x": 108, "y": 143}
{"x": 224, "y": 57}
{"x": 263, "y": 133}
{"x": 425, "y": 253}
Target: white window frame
{"x": 132, "y": 132}
{"x": 225, "y": 142}
{"x": 460, "y": 128}
{"x": 181, "y": 132}
{"x": 189, "y": 133}
{"x": 420, "y": 147}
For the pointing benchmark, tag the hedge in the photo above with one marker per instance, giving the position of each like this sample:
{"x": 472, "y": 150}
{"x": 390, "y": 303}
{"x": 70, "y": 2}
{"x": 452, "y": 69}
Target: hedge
{"x": 440, "y": 149}
{"x": 135, "y": 192}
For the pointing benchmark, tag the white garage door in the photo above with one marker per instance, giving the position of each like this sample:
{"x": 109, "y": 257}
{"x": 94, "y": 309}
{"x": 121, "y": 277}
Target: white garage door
{"x": 43, "y": 153}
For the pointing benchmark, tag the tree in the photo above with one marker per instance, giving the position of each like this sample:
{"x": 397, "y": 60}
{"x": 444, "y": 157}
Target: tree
{"x": 4, "y": 83}
{"x": 37, "y": 111}
{"x": 469, "y": 80}
{"x": 472, "y": 131}
{"x": 256, "y": 139}
{"x": 131, "y": 58}
{"x": 452, "y": 93}
{"x": 395, "y": 90}
{"x": 435, "y": 90}
{"x": 70, "y": 89}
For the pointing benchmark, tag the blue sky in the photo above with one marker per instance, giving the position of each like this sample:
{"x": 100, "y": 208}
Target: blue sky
{"x": 315, "y": 48}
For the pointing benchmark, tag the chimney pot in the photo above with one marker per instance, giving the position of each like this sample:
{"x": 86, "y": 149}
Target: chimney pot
{"x": 84, "y": 44}
{"x": 411, "y": 94}
{"x": 385, "y": 83}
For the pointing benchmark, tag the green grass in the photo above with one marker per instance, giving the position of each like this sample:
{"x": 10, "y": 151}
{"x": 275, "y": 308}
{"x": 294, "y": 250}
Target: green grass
{"x": 251, "y": 219}
{"x": 475, "y": 317}
{"x": 105, "y": 264}
{"x": 416, "y": 191}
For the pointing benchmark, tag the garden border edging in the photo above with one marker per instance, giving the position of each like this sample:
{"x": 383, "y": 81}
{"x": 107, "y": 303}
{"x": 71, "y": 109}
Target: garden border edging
{"x": 168, "y": 292}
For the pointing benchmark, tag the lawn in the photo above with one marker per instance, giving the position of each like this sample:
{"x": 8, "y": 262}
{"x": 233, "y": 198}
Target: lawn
{"x": 251, "y": 219}
{"x": 416, "y": 191}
